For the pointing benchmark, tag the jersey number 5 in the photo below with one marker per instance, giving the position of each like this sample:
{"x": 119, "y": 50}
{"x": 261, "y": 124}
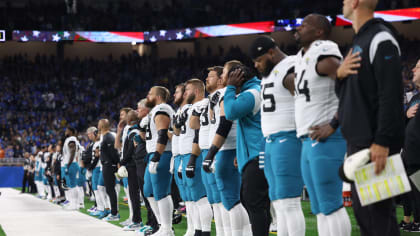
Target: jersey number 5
{"x": 303, "y": 90}
{"x": 269, "y": 106}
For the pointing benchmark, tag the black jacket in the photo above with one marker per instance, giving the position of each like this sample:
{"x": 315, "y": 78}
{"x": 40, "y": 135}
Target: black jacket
{"x": 109, "y": 155}
{"x": 133, "y": 153}
{"x": 411, "y": 151}
{"x": 371, "y": 102}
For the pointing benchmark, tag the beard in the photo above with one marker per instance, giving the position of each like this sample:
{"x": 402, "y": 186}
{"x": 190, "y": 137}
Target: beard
{"x": 150, "y": 103}
{"x": 190, "y": 99}
{"x": 268, "y": 68}
{"x": 178, "y": 101}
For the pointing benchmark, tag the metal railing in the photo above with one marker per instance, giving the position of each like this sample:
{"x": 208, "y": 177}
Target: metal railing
{"x": 12, "y": 161}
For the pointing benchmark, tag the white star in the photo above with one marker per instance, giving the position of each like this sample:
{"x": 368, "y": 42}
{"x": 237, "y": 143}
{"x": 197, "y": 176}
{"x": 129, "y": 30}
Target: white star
{"x": 56, "y": 38}
{"x": 66, "y": 34}
{"x": 163, "y": 33}
{"x": 329, "y": 18}
{"x": 35, "y": 33}
{"x": 179, "y": 35}
{"x": 153, "y": 39}
{"x": 188, "y": 31}
{"x": 288, "y": 28}
{"x": 24, "y": 39}
{"x": 299, "y": 21}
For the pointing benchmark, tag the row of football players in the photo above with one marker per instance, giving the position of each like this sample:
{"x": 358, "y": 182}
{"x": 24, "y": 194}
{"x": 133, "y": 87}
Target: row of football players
{"x": 214, "y": 145}
{"x": 215, "y": 142}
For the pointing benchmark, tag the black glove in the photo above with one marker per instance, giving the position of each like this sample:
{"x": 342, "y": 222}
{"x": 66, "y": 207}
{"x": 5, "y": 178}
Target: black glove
{"x": 214, "y": 99}
{"x": 210, "y": 158}
{"x": 190, "y": 170}
{"x": 181, "y": 119}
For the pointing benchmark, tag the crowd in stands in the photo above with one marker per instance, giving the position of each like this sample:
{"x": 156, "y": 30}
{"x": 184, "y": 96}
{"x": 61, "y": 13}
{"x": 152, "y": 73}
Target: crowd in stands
{"x": 42, "y": 96}
{"x": 155, "y": 15}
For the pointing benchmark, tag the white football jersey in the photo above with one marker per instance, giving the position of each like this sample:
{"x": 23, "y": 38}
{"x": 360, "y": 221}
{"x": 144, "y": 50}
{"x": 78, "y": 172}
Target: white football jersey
{"x": 44, "y": 163}
{"x": 123, "y": 138}
{"x": 66, "y": 150}
{"x": 96, "y": 145}
{"x": 152, "y": 132}
{"x": 186, "y": 136}
{"x": 203, "y": 137}
{"x": 230, "y": 141}
{"x": 175, "y": 138}
{"x": 315, "y": 98}
{"x": 38, "y": 161}
{"x": 278, "y": 105}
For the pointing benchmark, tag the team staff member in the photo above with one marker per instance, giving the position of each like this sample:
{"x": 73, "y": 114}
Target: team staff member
{"x": 242, "y": 103}
{"x": 139, "y": 157}
{"x": 109, "y": 160}
{"x": 128, "y": 169}
{"x": 370, "y": 89}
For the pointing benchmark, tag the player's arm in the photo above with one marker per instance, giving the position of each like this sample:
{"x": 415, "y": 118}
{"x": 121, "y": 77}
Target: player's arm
{"x": 219, "y": 139}
{"x": 236, "y": 107}
{"x": 143, "y": 127}
{"x": 386, "y": 64}
{"x": 289, "y": 82}
{"x": 162, "y": 122}
{"x": 72, "y": 149}
{"x": 195, "y": 121}
{"x": 190, "y": 170}
{"x": 128, "y": 149}
{"x": 117, "y": 142}
{"x": 327, "y": 66}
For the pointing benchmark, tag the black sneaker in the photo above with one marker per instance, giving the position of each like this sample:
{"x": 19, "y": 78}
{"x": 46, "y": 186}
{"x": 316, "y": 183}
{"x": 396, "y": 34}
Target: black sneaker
{"x": 407, "y": 227}
{"x": 402, "y": 224}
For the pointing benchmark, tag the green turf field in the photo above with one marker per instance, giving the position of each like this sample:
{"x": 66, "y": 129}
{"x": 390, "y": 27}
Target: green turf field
{"x": 2, "y": 232}
{"x": 182, "y": 227}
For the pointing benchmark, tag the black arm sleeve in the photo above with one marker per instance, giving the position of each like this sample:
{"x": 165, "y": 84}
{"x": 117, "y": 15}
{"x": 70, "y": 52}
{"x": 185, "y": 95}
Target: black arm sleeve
{"x": 196, "y": 136}
{"x": 390, "y": 116}
{"x": 224, "y": 127}
{"x": 128, "y": 149}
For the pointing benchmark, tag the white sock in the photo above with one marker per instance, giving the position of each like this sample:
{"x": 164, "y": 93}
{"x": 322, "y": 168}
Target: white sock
{"x": 273, "y": 214}
{"x": 322, "y": 225}
{"x": 37, "y": 187}
{"x": 73, "y": 196}
{"x": 66, "y": 194}
{"x": 117, "y": 190}
{"x": 339, "y": 223}
{"x": 227, "y": 225}
{"x": 99, "y": 201}
{"x": 292, "y": 219}
{"x": 57, "y": 191}
{"x": 218, "y": 219}
{"x": 130, "y": 207}
{"x": 166, "y": 209}
{"x": 105, "y": 198}
{"x": 206, "y": 214}
{"x": 49, "y": 193}
{"x": 281, "y": 219}
{"x": 155, "y": 208}
{"x": 190, "y": 223}
{"x": 81, "y": 195}
{"x": 239, "y": 220}
{"x": 195, "y": 213}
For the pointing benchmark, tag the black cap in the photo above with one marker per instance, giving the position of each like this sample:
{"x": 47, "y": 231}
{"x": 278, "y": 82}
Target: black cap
{"x": 260, "y": 46}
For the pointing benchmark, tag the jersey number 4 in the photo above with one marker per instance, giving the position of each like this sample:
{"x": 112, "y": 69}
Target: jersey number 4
{"x": 303, "y": 90}
{"x": 269, "y": 102}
